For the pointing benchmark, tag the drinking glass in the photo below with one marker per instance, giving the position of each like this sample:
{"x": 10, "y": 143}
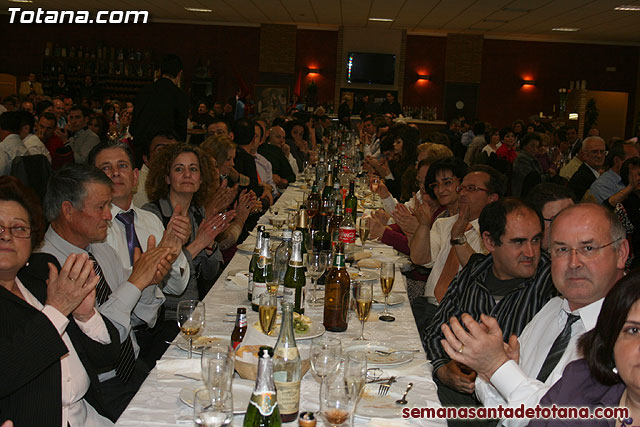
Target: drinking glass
{"x": 355, "y": 374}
{"x": 312, "y": 207}
{"x": 364, "y": 298}
{"x": 363, "y": 230}
{"x": 217, "y": 364}
{"x": 191, "y": 315}
{"x": 211, "y": 412}
{"x": 387, "y": 275}
{"x": 292, "y": 220}
{"x": 324, "y": 356}
{"x": 316, "y": 264}
{"x": 375, "y": 183}
{"x": 267, "y": 312}
{"x": 337, "y": 402}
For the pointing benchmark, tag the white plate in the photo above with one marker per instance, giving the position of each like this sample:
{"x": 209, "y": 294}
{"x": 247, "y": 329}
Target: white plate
{"x": 363, "y": 275}
{"x": 315, "y": 330}
{"x": 183, "y": 344}
{"x": 371, "y": 405}
{"x": 374, "y": 358}
{"x": 394, "y": 299}
{"x": 241, "y": 390}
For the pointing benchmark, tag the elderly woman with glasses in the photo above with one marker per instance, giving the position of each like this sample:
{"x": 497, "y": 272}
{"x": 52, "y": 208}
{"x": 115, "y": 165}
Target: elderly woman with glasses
{"x": 53, "y": 342}
{"x": 609, "y": 373}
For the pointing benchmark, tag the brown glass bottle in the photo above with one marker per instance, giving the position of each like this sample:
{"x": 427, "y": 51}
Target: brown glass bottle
{"x": 336, "y": 294}
{"x": 241, "y": 327}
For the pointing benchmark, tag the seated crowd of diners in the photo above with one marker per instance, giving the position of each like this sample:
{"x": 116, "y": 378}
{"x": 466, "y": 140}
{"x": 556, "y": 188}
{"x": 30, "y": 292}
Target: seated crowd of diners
{"x": 521, "y": 241}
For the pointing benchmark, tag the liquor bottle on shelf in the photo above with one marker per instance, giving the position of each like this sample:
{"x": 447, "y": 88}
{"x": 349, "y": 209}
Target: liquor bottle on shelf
{"x": 282, "y": 255}
{"x": 263, "y": 410}
{"x": 287, "y": 367}
{"x": 351, "y": 201}
{"x": 254, "y": 261}
{"x": 263, "y": 272}
{"x": 336, "y": 294}
{"x": 294, "y": 278}
{"x": 240, "y": 329}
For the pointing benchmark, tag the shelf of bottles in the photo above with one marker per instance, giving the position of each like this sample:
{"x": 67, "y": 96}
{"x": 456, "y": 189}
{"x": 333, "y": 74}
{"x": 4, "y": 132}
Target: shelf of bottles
{"x": 421, "y": 112}
{"x": 119, "y": 72}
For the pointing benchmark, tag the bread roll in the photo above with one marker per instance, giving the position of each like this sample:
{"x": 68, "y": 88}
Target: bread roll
{"x": 370, "y": 263}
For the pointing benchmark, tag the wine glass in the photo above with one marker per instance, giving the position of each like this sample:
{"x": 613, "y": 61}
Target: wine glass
{"x": 217, "y": 367}
{"x": 337, "y": 402}
{"x": 267, "y": 311}
{"x": 324, "y": 356}
{"x": 316, "y": 264}
{"x": 210, "y": 411}
{"x": 292, "y": 220}
{"x": 387, "y": 275}
{"x": 375, "y": 184}
{"x": 364, "y": 298}
{"x": 191, "y": 315}
{"x": 312, "y": 208}
{"x": 355, "y": 374}
{"x": 363, "y": 230}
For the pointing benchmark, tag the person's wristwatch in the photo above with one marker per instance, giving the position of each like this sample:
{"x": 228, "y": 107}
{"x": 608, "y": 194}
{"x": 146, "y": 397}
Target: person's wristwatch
{"x": 456, "y": 241}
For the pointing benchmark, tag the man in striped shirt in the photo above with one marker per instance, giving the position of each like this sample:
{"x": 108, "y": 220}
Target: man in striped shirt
{"x": 512, "y": 284}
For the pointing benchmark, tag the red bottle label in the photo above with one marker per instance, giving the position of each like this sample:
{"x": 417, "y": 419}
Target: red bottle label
{"x": 347, "y": 235}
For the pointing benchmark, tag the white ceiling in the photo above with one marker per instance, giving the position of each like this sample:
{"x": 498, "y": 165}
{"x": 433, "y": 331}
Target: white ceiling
{"x": 515, "y": 19}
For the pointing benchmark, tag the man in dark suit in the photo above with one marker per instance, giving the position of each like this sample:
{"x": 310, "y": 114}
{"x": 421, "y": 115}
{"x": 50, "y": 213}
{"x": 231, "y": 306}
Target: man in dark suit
{"x": 161, "y": 105}
{"x": 593, "y": 154}
{"x": 283, "y": 175}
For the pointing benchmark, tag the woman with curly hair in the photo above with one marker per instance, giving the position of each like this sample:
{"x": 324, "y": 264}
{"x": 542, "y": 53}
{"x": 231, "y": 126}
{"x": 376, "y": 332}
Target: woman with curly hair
{"x": 182, "y": 179}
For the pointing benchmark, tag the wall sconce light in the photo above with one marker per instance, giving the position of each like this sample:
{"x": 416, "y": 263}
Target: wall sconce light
{"x": 573, "y": 116}
{"x": 424, "y": 77}
{"x": 313, "y": 70}
{"x": 528, "y": 82}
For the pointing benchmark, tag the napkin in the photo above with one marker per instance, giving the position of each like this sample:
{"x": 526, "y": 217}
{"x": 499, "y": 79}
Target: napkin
{"x": 167, "y": 368}
{"x": 239, "y": 280}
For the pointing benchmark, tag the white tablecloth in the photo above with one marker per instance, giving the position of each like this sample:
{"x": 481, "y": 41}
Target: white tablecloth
{"x": 157, "y": 402}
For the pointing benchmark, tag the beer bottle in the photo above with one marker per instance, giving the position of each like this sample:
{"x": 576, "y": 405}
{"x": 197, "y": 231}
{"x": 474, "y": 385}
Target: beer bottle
{"x": 241, "y": 327}
{"x": 294, "y": 279}
{"x": 287, "y": 367}
{"x": 263, "y": 410}
{"x": 336, "y": 294}
{"x": 351, "y": 201}
{"x": 263, "y": 272}
{"x": 254, "y": 260}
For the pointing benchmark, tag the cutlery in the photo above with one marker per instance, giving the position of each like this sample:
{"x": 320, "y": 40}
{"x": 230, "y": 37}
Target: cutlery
{"x": 383, "y": 390}
{"x": 389, "y": 353}
{"x": 403, "y": 401}
{"x": 379, "y": 380}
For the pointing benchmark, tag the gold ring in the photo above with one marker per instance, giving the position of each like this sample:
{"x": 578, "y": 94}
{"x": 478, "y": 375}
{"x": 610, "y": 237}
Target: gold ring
{"x": 461, "y": 348}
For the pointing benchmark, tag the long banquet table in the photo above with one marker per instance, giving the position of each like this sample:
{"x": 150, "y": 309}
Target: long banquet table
{"x": 157, "y": 403}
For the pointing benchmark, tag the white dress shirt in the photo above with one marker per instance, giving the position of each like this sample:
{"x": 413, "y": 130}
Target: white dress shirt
{"x": 10, "y": 148}
{"x": 146, "y": 224}
{"x": 265, "y": 171}
{"x": 514, "y": 383}
{"x": 35, "y": 146}
{"x": 293, "y": 163}
{"x": 75, "y": 381}
{"x": 140, "y": 197}
{"x": 440, "y": 236}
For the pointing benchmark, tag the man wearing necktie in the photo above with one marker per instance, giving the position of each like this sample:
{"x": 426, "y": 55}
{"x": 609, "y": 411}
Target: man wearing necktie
{"x": 588, "y": 253}
{"x": 78, "y": 202}
{"x": 130, "y": 228}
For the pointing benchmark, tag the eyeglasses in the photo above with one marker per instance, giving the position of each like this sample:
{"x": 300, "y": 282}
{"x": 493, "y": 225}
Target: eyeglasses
{"x": 445, "y": 184}
{"x": 586, "y": 251}
{"x": 18, "y": 231}
{"x": 470, "y": 188}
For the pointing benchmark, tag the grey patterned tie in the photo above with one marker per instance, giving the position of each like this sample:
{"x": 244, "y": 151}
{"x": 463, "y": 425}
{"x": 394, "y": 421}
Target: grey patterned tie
{"x": 557, "y": 349}
{"x": 127, "y": 360}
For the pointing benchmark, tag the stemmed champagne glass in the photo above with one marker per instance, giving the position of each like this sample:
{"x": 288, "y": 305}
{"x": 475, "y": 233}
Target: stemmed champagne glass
{"x": 325, "y": 356}
{"x": 191, "y": 315}
{"x": 355, "y": 375}
{"x": 267, "y": 311}
{"x": 375, "y": 183}
{"x": 316, "y": 264}
{"x": 312, "y": 206}
{"x": 364, "y": 298}
{"x": 387, "y": 275}
{"x": 363, "y": 230}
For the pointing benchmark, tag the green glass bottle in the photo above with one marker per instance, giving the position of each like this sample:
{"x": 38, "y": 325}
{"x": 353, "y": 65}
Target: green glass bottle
{"x": 294, "y": 278}
{"x": 351, "y": 201}
{"x": 263, "y": 272}
{"x": 254, "y": 261}
{"x": 263, "y": 410}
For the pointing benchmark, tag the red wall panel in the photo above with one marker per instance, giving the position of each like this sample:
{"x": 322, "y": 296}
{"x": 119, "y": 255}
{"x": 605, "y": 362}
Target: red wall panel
{"x": 425, "y": 55}
{"x": 317, "y": 49}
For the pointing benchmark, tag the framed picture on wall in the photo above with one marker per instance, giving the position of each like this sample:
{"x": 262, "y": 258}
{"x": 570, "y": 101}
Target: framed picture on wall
{"x": 271, "y": 101}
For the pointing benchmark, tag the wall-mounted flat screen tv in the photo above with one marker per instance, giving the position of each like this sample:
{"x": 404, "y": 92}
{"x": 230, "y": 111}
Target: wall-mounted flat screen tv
{"x": 371, "y": 68}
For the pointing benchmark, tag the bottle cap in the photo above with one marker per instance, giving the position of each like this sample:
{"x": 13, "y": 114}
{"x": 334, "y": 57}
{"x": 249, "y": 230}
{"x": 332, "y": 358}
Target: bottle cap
{"x": 307, "y": 419}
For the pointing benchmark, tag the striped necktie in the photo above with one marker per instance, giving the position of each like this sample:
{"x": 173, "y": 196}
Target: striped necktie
{"x": 557, "y": 349}
{"x": 127, "y": 360}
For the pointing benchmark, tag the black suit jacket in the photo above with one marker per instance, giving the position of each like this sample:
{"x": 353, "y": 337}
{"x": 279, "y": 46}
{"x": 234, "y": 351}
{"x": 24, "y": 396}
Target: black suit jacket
{"x": 30, "y": 352}
{"x": 581, "y": 180}
{"x": 159, "y": 106}
{"x": 246, "y": 165}
{"x": 279, "y": 163}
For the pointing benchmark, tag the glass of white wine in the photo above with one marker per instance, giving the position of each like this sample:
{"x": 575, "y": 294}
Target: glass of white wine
{"x": 191, "y": 315}
{"x": 363, "y": 230}
{"x": 267, "y": 311}
{"x": 364, "y": 298}
{"x": 387, "y": 275}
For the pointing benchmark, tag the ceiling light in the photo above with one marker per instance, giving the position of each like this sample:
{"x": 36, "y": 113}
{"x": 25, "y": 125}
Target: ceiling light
{"x": 381, "y": 19}
{"x": 197, "y": 9}
{"x": 627, "y": 7}
{"x": 565, "y": 29}
{"x": 21, "y": 1}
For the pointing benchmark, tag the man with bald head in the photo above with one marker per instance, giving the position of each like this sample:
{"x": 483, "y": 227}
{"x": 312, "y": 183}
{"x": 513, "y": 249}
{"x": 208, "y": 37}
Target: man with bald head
{"x": 588, "y": 252}
{"x": 274, "y": 152}
{"x": 593, "y": 154}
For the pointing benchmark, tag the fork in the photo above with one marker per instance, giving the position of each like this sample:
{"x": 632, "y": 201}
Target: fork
{"x": 388, "y": 353}
{"x": 383, "y": 390}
